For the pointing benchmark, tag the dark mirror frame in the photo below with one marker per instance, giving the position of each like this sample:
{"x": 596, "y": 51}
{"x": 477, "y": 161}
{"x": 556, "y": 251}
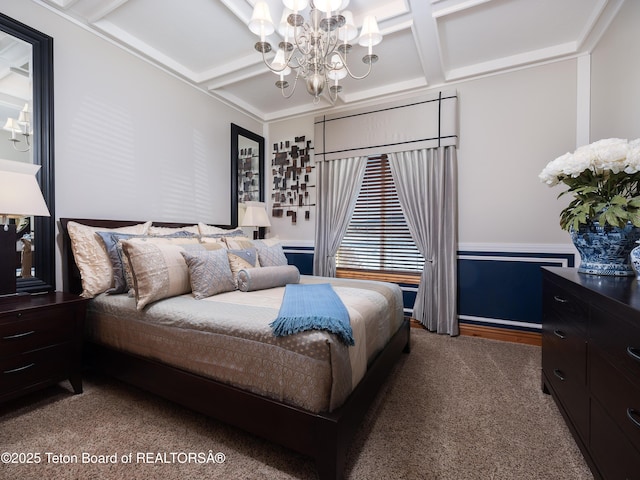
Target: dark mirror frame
{"x": 44, "y": 260}
{"x": 237, "y": 131}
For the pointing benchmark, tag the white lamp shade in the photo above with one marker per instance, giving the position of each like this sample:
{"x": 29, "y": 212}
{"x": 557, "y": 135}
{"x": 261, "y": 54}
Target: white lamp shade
{"x": 348, "y": 31}
{"x": 327, "y": 6}
{"x": 339, "y": 72}
{"x": 284, "y": 28}
{"x": 12, "y": 125}
{"x": 345, "y": 4}
{"x": 261, "y": 22}
{"x": 296, "y": 5}
{"x": 279, "y": 63}
{"x": 370, "y": 34}
{"x": 255, "y": 215}
{"x": 20, "y": 194}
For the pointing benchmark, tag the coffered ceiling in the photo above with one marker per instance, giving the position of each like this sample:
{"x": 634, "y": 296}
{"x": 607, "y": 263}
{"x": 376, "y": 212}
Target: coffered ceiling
{"x": 427, "y": 43}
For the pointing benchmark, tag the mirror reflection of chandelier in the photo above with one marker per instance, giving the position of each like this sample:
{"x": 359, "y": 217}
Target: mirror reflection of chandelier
{"x": 317, "y": 48}
{"x": 20, "y": 126}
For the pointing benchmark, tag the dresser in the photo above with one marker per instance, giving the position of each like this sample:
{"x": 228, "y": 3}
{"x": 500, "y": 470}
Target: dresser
{"x": 40, "y": 342}
{"x": 591, "y": 365}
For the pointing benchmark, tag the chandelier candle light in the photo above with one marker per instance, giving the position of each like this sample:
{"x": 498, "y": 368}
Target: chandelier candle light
{"x": 316, "y": 49}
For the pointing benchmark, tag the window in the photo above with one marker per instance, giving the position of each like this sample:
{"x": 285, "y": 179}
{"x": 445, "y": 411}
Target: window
{"x": 378, "y": 237}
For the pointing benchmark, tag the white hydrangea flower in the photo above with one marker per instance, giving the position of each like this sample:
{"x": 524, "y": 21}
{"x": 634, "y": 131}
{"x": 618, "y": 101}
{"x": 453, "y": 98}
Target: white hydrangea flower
{"x": 633, "y": 157}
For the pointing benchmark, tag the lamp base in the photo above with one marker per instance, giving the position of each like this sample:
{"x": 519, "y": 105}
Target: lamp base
{"x": 7, "y": 259}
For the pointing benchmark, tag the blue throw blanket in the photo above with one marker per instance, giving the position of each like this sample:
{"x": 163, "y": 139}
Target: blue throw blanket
{"x": 312, "y": 307}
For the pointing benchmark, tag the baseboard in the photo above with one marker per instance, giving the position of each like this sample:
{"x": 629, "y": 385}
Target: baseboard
{"x": 494, "y": 333}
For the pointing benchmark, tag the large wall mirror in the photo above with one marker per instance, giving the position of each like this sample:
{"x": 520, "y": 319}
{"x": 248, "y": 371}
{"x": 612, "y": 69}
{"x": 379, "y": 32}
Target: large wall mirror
{"x": 26, "y": 82}
{"x": 247, "y": 171}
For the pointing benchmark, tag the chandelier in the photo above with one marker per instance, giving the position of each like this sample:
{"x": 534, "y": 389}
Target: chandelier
{"x": 317, "y": 48}
{"x": 20, "y": 126}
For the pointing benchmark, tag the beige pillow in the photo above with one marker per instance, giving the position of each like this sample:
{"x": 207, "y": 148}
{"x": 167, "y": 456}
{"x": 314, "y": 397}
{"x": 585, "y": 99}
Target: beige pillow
{"x": 242, "y": 260}
{"x": 238, "y": 243}
{"x": 91, "y": 255}
{"x": 158, "y": 268}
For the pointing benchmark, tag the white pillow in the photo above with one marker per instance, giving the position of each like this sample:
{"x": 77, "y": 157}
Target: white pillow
{"x": 91, "y": 255}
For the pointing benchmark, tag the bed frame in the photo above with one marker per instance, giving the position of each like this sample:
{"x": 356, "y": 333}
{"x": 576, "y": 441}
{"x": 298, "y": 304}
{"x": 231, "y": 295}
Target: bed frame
{"x": 324, "y": 436}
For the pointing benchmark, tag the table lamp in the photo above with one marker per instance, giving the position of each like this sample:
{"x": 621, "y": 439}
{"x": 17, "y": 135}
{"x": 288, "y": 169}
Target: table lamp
{"x": 20, "y": 196}
{"x": 255, "y": 215}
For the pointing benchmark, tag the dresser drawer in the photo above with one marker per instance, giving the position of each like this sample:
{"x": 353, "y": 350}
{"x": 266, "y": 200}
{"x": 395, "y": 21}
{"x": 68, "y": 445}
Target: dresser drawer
{"x": 567, "y": 308}
{"x": 30, "y": 330}
{"x": 616, "y": 457}
{"x": 618, "y": 397}
{"x": 564, "y": 352}
{"x": 21, "y": 371}
{"x": 618, "y": 340}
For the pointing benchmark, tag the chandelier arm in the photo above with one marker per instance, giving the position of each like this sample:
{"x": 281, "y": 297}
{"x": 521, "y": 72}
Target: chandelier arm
{"x": 355, "y": 77}
{"x": 17, "y": 149}
{"x": 293, "y": 88}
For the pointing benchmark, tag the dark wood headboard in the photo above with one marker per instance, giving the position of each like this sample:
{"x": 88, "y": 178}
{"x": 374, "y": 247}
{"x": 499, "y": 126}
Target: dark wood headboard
{"x": 71, "y": 279}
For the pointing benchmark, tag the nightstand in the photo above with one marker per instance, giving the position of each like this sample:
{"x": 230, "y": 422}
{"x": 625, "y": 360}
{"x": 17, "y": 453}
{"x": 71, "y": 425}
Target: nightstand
{"x": 40, "y": 342}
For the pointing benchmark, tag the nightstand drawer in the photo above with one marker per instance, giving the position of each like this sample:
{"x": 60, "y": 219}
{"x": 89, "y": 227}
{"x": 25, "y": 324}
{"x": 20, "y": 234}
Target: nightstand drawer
{"x": 22, "y": 371}
{"x": 26, "y": 331}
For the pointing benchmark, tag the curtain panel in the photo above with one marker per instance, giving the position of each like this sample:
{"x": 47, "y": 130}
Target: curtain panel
{"x": 426, "y": 181}
{"x": 338, "y": 184}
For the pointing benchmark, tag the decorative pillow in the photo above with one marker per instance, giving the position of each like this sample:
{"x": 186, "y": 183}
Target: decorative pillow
{"x": 112, "y": 243}
{"x": 214, "y": 241}
{"x": 267, "y": 277}
{"x": 205, "y": 229}
{"x": 161, "y": 231}
{"x": 159, "y": 269}
{"x": 91, "y": 255}
{"x": 271, "y": 256}
{"x": 209, "y": 273}
{"x": 238, "y": 242}
{"x": 242, "y": 259}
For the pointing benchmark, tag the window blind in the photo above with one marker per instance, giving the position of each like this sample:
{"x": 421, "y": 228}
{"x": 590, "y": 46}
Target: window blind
{"x": 378, "y": 237}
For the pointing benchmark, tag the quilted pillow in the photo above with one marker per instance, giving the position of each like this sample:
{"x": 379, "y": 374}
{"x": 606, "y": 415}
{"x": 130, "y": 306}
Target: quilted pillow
{"x": 267, "y": 277}
{"x": 209, "y": 273}
{"x": 159, "y": 269}
{"x": 91, "y": 255}
{"x": 271, "y": 256}
{"x": 242, "y": 259}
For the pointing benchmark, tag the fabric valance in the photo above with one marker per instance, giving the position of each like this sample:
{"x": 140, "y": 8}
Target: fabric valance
{"x": 426, "y": 122}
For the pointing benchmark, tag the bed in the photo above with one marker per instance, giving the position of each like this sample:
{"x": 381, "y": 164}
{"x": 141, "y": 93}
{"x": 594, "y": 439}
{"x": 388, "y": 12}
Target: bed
{"x": 315, "y": 411}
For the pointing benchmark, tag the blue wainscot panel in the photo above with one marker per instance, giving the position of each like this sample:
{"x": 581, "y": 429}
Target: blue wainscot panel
{"x": 504, "y": 289}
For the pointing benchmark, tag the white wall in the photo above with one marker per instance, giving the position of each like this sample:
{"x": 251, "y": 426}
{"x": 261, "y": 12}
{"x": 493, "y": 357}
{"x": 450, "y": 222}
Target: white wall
{"x": 615, "y": 78}
{"x": 131, "y": 141}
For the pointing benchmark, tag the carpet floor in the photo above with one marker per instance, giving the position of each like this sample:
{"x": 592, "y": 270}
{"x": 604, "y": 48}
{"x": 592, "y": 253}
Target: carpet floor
{"x": 454, "y": 408}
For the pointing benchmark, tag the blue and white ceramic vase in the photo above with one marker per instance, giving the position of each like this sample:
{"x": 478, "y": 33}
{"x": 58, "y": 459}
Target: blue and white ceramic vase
{"x": 635, "y": 259}
{"x": 605, "y": 250}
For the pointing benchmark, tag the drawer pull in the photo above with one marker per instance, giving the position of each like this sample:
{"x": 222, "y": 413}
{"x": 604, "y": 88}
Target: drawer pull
{"x": 632, "y": 414}
{"x": 560, "y": 299}
{"x": 19, "y": 335}
{"x": 19, "y": 369}
{"x": 559, "y": 334}
{"x": 634, "y": 353}
{"x": 559, "y": 374}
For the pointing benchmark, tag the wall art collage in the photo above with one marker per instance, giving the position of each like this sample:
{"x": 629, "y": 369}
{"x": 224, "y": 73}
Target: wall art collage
{"x": 293, "y": 176}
